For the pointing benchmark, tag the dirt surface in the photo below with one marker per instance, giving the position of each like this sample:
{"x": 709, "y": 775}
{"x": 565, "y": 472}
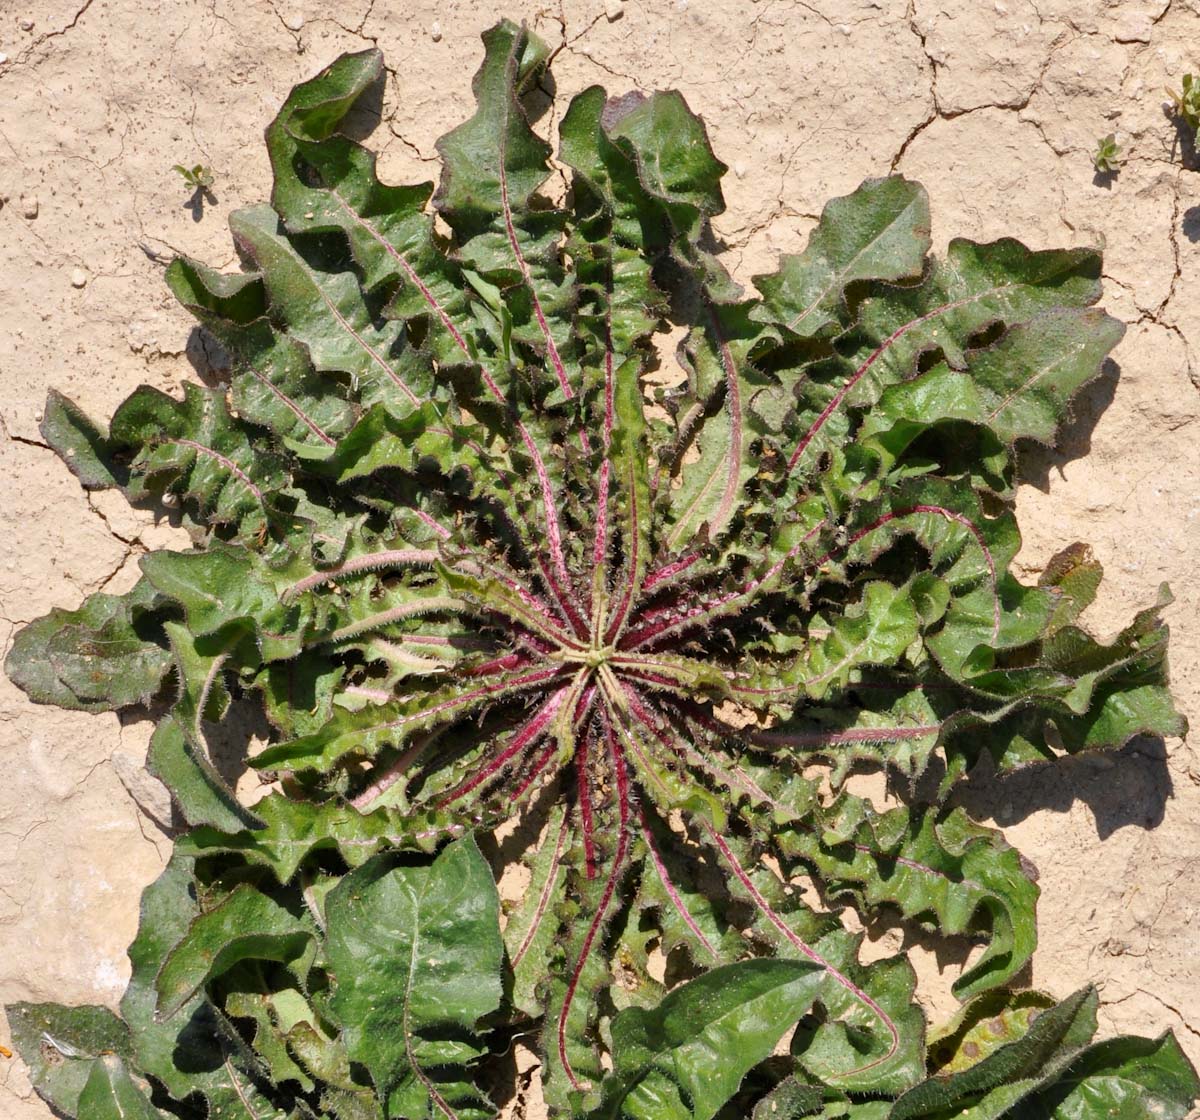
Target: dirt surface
{"x": 995, "y": 105}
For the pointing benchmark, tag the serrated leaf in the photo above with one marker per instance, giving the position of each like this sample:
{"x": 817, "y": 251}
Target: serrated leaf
{"x": 937, "y": 868}
{"x": 880, "y": 232}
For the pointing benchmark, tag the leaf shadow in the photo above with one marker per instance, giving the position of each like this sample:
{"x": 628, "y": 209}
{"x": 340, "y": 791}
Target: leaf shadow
{"x": 196, "y": 203}
{"x": 538, "y": 98}
{"x": 1124, "y": 788}
{"x": 229, "y": 742}
{"x": 1184, "y": 140}
{"x": 210, "y": 360}
{"x": 1190, "y": 226}
{"x": 1035, "y": 461}
{"x": 366, "y": 113}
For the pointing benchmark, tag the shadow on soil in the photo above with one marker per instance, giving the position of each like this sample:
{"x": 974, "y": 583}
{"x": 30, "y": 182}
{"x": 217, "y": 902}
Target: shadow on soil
{"x": 1124, "y": 788}
{"x": 1035, "y": 462}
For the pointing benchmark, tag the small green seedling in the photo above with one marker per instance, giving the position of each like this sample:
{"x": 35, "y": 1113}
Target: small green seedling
{"x": 1107, "y": 157}
{"x": 1187, "y": 102}
{"x": 199, "y": 177}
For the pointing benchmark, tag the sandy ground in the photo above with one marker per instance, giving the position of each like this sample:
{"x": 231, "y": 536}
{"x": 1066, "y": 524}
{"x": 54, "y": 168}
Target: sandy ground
{"x": 995, "y": 106}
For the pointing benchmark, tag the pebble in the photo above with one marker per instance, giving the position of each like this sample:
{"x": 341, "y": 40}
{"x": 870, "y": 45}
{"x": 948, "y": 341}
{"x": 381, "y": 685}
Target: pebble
{"x": 78, "y": 278}
{"x": 435, "y": 31}
{"x": 26, "y": 24}
{"x": 3, "y": 58}
{"x": 294, "y": 23}
{"x": 739, "y": 169}
{"x": 1134, "y": 29}
{"x": 614, "y": 10}
{"x": 29, "y": 207}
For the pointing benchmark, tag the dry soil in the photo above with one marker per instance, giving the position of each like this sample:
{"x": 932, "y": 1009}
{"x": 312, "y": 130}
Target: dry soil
{"x": 995, "y": 105}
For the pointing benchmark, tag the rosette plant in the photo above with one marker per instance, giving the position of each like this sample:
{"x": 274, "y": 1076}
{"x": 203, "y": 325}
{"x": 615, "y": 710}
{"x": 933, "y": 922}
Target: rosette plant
{"x": 477, "y": 556}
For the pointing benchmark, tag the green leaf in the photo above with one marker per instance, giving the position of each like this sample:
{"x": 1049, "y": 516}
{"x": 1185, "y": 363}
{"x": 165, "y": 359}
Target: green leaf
{"x": 1123, "y": 1078}
{"x": 940, "y": 869}
{"x": 276, "y": 384}
{"x": 80, "y": 444}
{"x": 183, "y": 766}
{"x": 60, "y": 1045}
{"x": 789, "y": 1100}
{"x": 1019, "y": 388}
{"x": 195, "y": 448}
{"x": 247, "y": 925}
{"x": 531, "y": 929}
{"x": 327, "y": 316}
{"x": 1028, "y": 1057}
{"x": 416, "y": 952}
{"x": 876, "y": 631}
{"x": 688, "y": 1056}
{"x": 677, "y": 169}
{"x": 291, "y": 831}
{"x": 110, "y": 1094}
{"x": 976, "y": 286}
{"x": 270, "y": 1037}
{"x": 108, "y": 654}
{"x": 190, "y": 1053}
{"x": 880, "y": 232}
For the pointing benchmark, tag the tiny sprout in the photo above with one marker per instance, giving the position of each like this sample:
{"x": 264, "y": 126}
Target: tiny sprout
{"x": 1187, "y": 102}
{"x": 1107, "y": 157}
{"x": 198, "y": 177}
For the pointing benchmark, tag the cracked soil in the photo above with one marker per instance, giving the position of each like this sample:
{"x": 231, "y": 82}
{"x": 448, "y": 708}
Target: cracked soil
{"x": 995, "y": 105}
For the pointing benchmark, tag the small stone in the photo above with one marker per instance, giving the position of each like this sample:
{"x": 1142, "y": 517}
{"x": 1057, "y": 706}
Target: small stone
{"x": 25, "y": 24}
{"x": 739, "y": 169}
{"x": 3, "y": 58}
{"x": 78, "y": 278}
{"x": 1136, "y": 28}
{"x": 435, "y": 31}
{"x": 151, "y": 796}
{"x": 29, "y": 207}
{"x": 293, "y": 23}
{"x": 614, "y": 10}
